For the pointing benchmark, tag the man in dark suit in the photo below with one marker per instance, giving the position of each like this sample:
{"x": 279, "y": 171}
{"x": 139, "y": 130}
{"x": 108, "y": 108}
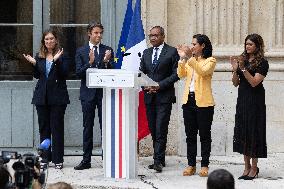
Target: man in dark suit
{"x": 92, "y": 55}
{"x": 159, "y": 63}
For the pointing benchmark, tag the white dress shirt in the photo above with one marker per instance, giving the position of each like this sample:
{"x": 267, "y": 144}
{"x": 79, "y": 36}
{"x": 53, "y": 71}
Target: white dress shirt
{"x": 159, "y": 51}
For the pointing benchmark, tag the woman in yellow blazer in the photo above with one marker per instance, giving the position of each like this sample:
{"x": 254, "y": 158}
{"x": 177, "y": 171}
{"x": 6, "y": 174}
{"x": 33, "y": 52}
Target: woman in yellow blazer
{"x": 197, "y": 66}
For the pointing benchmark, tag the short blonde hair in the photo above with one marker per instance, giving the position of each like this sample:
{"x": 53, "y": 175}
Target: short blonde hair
{"x": 60, "y": 185}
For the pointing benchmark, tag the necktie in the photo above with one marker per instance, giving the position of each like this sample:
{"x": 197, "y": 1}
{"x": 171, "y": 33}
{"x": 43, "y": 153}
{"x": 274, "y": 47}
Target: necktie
{"x": 155, "y": 61}
{"x": 96, "y": 56}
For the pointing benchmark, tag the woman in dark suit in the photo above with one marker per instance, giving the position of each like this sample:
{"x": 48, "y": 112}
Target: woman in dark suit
{"x": 51, "y": 97}
{"x": 249, "y": 71}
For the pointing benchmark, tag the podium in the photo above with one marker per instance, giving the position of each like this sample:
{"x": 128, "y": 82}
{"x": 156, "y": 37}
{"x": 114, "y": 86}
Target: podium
{"x": 120, "y": 113}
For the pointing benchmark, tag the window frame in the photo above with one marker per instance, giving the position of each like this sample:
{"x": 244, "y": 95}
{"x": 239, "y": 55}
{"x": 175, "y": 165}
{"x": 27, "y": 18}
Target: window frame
{"x": 36, "y": 27}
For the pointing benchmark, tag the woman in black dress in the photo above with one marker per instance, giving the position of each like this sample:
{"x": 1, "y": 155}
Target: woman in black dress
{"x": 249, "y": 70}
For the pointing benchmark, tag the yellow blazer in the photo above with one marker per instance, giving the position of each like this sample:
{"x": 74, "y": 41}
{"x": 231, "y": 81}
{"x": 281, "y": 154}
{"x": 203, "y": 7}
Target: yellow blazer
{"x": 204, "y": 69}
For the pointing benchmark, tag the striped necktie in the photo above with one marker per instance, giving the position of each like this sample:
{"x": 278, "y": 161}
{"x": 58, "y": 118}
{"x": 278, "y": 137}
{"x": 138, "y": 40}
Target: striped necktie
{"x": 155, "y": 61}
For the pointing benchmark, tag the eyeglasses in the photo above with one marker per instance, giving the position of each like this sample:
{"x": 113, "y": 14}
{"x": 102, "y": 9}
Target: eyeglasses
{"x": 153, "y": 35}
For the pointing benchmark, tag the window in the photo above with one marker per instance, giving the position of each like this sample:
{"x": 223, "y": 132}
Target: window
{"x": 70, "y": 19}
{"x": 16, "y": 35}
{"x": 18, "y": 32}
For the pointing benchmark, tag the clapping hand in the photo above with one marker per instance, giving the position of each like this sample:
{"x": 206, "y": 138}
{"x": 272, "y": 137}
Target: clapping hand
{"x": 184, "y": 51}
{"x": 58, "y": 54}
{"x": 237, "y": 61}
{"x": 91, "y": 56}
{"x": 241, "y": 62}
{"x": 107, "y": 56}
{"x": 30, "y": 58}
{"x": 234, "y": 63}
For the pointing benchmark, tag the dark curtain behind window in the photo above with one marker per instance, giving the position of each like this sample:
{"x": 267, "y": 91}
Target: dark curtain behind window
{"x": 73, "y": 12}
{"x": 15, "y": 40}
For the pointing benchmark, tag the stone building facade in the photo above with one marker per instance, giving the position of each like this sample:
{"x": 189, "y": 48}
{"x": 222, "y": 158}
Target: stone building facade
{"x": 227, "y": 23}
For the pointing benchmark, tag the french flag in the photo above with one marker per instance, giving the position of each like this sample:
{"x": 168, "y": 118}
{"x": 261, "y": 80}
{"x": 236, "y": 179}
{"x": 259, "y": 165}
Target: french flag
{"x": 131, "y": 45}
{"x": 136, "y": 42}
{"x": 135, "y": 45}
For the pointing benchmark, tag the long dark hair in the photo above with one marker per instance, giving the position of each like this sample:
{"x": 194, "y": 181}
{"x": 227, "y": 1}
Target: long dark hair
{"x": 203, "y": 39}
{"x": 43, "y": 49}
{"x": 258, "y": 53}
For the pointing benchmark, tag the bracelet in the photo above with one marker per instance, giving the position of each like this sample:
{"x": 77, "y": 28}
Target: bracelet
{"x": 243, "y": 70}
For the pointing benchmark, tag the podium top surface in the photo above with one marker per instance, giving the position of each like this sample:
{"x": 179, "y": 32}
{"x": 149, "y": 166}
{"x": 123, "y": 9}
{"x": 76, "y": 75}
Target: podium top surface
{"x": 117, "y": 78}
{"x": 111, "y": 71}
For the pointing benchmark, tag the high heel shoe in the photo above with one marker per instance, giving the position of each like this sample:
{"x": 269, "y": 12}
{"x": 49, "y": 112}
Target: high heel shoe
{"x": 251, "y": 178}
{"x": 244, "y": 175}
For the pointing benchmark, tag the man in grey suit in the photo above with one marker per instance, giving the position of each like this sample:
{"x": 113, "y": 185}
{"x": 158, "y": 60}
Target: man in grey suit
{"x": 160, "y": 64}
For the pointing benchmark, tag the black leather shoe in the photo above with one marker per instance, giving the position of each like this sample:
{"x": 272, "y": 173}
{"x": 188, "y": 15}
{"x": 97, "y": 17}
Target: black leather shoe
{"x": 158, "y": 167}
{"x": 152, "y": 165}
{"x": 83, "y": 165}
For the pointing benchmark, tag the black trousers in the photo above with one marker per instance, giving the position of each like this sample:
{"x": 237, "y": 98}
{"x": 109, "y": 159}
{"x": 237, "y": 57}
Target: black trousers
{"x": 158, "y": 116}
{"x": 88, "y": 109}
{"x": 197, "y": 119}
{"x": 51, "y": 125}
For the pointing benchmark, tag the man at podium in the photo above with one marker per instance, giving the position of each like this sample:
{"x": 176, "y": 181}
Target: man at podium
{"x": 160, "y": 64}
{"x": 92, "y": 55}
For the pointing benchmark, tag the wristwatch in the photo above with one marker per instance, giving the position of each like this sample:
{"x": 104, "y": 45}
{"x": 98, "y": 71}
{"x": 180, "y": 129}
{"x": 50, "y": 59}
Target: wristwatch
{"x": 243, "y": 70}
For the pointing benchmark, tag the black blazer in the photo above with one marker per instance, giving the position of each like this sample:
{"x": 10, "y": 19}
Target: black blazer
{"x": 164, "y": 72}
{"x": 82, "y": 64}
{"x": 51, "y": 90}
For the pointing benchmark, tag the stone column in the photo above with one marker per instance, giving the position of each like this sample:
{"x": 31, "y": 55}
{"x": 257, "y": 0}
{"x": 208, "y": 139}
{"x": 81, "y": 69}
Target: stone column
{"x": 226, "y": 23}
{"x": 154, "y": 12}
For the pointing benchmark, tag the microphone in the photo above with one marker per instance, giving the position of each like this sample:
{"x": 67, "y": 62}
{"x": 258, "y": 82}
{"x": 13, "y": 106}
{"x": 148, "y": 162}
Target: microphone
{"x": 43, "y": 150}
{"x": 44, "y": 145}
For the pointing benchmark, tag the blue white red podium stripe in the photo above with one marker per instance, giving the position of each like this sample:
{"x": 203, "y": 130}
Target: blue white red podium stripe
{"x": 115, "y": 150}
